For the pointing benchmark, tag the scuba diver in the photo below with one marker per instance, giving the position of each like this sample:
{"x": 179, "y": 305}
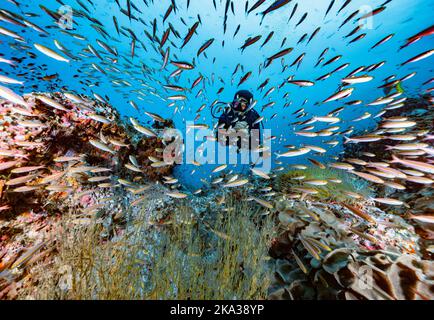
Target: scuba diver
{"x": 241, "y": 117}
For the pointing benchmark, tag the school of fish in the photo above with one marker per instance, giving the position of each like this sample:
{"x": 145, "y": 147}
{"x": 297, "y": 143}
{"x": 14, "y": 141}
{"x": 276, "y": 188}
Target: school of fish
{"x": 105, "y": 58}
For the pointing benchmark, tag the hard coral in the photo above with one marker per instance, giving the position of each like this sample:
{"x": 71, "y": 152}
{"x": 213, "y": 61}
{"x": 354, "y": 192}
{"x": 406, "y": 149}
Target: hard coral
{"x": 323, "y": 251}
{"x": 147, "y": 148}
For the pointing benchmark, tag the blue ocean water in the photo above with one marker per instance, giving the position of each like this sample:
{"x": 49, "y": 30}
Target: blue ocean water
{"x": 403, "y": 18}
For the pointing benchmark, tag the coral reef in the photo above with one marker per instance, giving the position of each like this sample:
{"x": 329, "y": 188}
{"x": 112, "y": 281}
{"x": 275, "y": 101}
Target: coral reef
{"x": 71, "y": 202}
{"x": 340, "y": 187}
{"x": 49, "y": 167}
{"x": 168, "y": 250}
{"x": 146, "y": 148}
{"x": 328, "y": 251}
{"x": 418, "y": 196}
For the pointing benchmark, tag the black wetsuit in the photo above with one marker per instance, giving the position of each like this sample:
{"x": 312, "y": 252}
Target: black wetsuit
{"x": 230, "y": 117}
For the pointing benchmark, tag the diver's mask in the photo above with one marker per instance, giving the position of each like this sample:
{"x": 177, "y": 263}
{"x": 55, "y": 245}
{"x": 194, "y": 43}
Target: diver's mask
{"x": 240, "y": 104}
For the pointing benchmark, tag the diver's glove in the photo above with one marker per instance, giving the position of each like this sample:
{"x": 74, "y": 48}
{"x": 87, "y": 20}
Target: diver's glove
{"x": 242, "y": 130}
{"x": 241, "y": 125}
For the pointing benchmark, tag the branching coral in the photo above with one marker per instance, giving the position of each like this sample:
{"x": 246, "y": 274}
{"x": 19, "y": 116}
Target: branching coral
{"x": 214, "y": 255}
